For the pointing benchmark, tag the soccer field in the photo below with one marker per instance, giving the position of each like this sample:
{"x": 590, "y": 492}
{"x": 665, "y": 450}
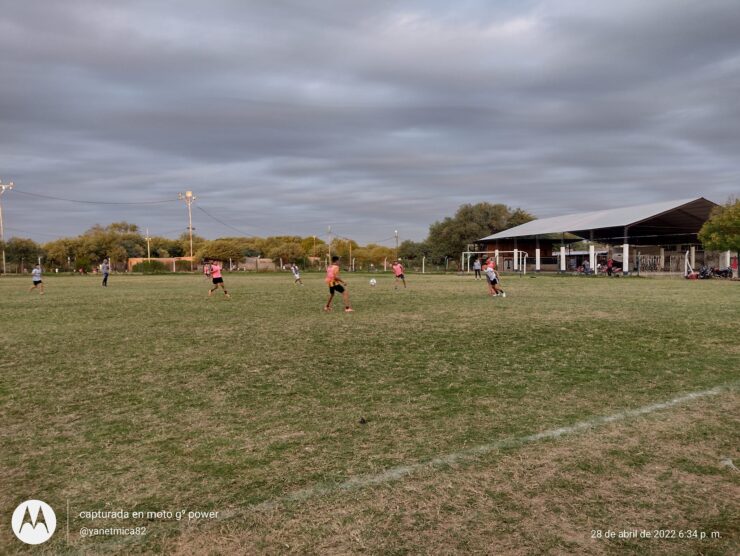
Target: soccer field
{"x": 408, "y": 426}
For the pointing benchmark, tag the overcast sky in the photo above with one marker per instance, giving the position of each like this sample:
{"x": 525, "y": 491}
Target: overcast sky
{"x": 285, "y": 116}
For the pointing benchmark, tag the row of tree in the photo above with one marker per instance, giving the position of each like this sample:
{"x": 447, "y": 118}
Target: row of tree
{"x": 122, "y": 240}
{"x": 447, "y": 238}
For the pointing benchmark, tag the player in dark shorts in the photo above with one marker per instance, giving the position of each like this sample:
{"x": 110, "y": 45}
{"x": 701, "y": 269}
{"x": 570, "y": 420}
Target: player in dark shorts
{"x": 218, "y": 281}
{"x": 38, "y": 284}
{"x": 493, "y": 281}
{"x": 398, "y": 270}
{"x": 336, "y": 285}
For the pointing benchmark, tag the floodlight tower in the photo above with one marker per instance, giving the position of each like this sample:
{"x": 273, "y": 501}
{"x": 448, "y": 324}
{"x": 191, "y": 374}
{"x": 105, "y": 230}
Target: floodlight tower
{"x": 188, "y": 197}
{"x": 396, "y": 233}
{"x": 3, "y": 188}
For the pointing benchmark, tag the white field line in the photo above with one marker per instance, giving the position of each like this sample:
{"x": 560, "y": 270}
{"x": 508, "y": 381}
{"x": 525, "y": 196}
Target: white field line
{"x": 397, "y": 473}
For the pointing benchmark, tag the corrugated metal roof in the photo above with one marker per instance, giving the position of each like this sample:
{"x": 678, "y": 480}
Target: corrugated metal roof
{"x": 611, "y": 218}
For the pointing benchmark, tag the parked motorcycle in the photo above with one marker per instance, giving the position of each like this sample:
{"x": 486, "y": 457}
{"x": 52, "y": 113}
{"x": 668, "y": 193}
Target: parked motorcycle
{"x": 721, "y": 273}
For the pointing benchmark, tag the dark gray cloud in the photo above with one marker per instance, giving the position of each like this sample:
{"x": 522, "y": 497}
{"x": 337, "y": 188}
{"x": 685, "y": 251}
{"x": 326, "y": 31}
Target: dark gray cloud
{"x": 287, "y": 116}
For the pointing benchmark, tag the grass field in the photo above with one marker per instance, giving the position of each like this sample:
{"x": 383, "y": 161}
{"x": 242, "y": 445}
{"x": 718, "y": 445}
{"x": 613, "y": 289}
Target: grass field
{"x": 148, "y": 396}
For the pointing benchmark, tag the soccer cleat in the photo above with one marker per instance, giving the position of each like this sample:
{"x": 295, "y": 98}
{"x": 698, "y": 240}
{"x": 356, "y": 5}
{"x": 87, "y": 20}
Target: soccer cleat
{"x": 327, "y": 309}
{"x": 349, "y": 310}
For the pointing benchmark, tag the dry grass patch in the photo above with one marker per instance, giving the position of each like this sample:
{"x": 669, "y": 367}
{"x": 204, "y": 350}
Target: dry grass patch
{"x": 641, "y": 474}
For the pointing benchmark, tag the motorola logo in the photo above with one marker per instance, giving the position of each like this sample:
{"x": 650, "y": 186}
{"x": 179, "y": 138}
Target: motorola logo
{"x": 34, "y": 522}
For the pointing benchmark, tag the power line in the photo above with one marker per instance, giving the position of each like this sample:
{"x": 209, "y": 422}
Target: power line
{"x": 32, "y": 233}
{"x": 51, "y": 197}
{"x": 164, "y": 201}
{"x": 367, "y": 243}
{"x": 222, "y": 222}
{"x": 162, "y": 234}
{"x": 259, "y": 229}
{"x": 382, "y": 240}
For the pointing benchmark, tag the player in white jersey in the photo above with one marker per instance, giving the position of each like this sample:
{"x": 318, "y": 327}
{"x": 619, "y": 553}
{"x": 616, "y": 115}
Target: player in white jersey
{"x": 38, "y": 284}
{"x": 296, "y": 274}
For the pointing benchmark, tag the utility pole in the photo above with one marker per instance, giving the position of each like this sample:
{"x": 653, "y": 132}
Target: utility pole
{"x": 396, "y": 232}
{"x": 188, "y": 197}
{"x": 329, "y": 236}
{"x": 3, "y": 188}
{"x": 148, "y": 251}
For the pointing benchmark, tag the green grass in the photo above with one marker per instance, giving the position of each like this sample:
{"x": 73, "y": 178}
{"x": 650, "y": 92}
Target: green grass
{"x": 148, "y": 395}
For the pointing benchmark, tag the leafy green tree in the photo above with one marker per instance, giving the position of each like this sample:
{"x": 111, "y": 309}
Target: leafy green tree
{"x": 220, "y": 249}
{"x": 722, "y": 231}
{"x": 123, "y": 228}
{"x": 22, "y": 252}
{"x": 288, "y": 252}
{"x": 61, "y": 252}
{"x": 342, "y": 248}
{"x": 120, "y": 240}
{"x": 118, "y": 257}
{"x": 150, "y": 267}
{"x": 311, "y": 246}
{"x": 414, "y": 251}
{"x": 184, "y": 240}
{"x": 469, "y": 224}
{"x": 373, "y": 254}
{"x": 266, "y": 245}
{"x": 164, "y": 247}
{"x": 517, "y": 218}
{"x": 249, "y": 246}
{"x": 84, "y": 263}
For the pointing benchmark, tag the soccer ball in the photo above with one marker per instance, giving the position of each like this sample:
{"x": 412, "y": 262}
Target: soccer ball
{"x": 373, "y": 281}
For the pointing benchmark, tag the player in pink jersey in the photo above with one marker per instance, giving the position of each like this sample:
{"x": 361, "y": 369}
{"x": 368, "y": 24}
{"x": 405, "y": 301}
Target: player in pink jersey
{"x": 398, "y": 271}
{"x": 217, "y": 279}
{"x": 336, "y": 284}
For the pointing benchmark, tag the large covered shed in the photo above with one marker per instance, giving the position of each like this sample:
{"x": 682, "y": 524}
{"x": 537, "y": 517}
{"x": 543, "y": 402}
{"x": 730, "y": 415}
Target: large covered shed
{"x": 652, "y": 230}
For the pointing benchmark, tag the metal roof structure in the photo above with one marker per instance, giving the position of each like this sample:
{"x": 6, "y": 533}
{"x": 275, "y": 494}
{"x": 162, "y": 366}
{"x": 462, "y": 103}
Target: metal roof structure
{"x": 670, "y": 222}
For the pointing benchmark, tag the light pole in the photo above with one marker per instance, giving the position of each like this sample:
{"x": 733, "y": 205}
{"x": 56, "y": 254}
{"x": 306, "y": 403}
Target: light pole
{"x": 148, "y": 251}
{"x": 329, "y": 237}
{"x": 3, "y": 188}
{"x": 188, "y": 197}
{"x": 396, "y": 232}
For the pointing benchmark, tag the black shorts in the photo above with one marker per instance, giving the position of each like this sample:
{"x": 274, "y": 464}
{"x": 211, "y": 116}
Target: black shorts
{"x": 37, "y": 282}
{"x": 492, "y": 282}
{"x": 339, "y": 288}
{"x": 218, "y": 280}
{"x": 401, "y": 276}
